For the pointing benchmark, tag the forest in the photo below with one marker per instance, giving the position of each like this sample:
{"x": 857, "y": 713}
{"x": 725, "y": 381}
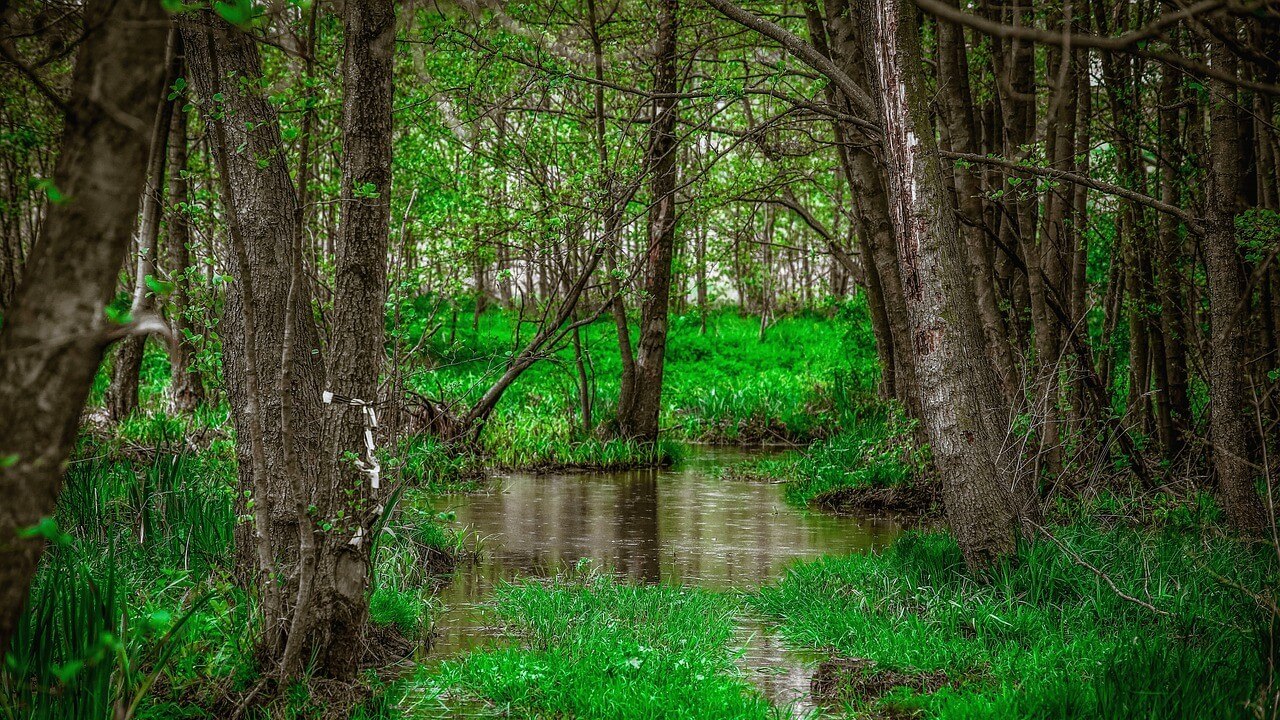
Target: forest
{"x": 396, "y": 359}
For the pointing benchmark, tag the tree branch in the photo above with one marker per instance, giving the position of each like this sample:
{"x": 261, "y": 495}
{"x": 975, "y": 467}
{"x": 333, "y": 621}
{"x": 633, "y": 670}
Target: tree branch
{"x": 1193, "y": 222}
{"x": 805, "y": 53}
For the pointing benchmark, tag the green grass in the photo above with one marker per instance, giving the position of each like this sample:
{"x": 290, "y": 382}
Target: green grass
{"x": 874, "y": 449}
{"x": 1045, "y": 637}
{"x": 594, "y": 647}
{"x": 722, "y": 387}
{"x": 134, "y": 603}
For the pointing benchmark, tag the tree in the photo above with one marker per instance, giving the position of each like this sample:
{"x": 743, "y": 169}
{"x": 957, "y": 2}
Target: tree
{"x": 55, "y": 333}
{"x": 186, "y": 390}
{"x": 122, "y": 395}
{"x": 314, "y": 505}
{"x": 960, "y": 406}
{"x": 959, "y": 400}
{"x": 1230, "y": 414}
{"x": 639, "y": 417}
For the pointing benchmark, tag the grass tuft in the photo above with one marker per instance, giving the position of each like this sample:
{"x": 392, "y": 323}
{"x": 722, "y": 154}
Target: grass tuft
{"x": 594, "y": 647}
{"x": 1043, "y": 637}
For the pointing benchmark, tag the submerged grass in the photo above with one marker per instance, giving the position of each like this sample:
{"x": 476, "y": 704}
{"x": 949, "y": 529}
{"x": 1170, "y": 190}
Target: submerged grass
{"x": 1044, "y": 637}
{"x": 594, "y": 647}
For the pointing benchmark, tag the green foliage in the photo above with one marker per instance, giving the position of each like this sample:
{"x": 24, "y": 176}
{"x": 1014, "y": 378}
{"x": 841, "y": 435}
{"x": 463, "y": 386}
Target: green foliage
{"x": 407, "y": 610}
{"x": 133, "y": 590}
{"x": 133, "y": 605}
{"x": 593, "y": 647}
{"x": 722, "y": 387}
{"x": 1044, "y": 636}
{"x": 875, "y": 448}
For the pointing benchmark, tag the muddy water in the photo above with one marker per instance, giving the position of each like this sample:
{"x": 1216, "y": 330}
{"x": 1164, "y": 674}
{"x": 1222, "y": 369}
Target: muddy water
{"x": 680, "y": 526}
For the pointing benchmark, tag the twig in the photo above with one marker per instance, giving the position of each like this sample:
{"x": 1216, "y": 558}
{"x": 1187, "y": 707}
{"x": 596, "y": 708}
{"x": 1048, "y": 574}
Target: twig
{"x": 1077, "y": 559}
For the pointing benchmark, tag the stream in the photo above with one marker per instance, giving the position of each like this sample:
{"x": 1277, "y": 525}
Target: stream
{"x": 681, "y": 525}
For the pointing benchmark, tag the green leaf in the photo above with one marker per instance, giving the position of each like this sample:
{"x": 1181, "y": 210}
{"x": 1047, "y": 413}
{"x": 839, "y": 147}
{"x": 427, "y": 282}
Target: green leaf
{"x": 176, "y": 7}
{"x": 119, "y": 316}
{"x": 158, "y": 287}
{"x": 48, "y": 529}
{"x": 51, "y": 191}
{"x": 9, "y": 460}
{"x": 238, "y": 12}
{"x": 67, "y": 672}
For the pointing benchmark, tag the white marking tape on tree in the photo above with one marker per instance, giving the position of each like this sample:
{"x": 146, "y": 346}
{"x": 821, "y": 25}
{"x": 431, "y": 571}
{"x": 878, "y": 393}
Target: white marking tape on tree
{"x": 369, "y": 465}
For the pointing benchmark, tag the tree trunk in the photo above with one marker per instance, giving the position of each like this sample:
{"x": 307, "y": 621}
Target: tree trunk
{"x": 870, "y": 216}
{"x": 961, "y": 409}
{"x": 122, "y": 395}
{"x": 55, "y": 332}
{"x": 956, "y": 102}
{"x": 356, "y": 354}
{"x": 1231, "y": 411}
{"x": 275, "y": 453}
{"x": 642, "y": 421}
{"x": 186, "y": 388}
{"x": 1176, "y": 420}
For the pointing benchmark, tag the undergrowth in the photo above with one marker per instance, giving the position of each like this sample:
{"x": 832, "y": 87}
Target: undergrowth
{"x": 1044, "y": 636}
{"x": 135, "y": 610}
{"x": 872, "y": 463}
{"x": 594, "y": 647}
{"x": 726, "y": 386}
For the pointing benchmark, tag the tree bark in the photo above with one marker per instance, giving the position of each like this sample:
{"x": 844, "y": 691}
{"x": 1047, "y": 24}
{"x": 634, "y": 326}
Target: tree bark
{"x": 1231, "y": 411}
{"x": 262, "y": 221}
{"x": 1176, "y": 420}
{"x": 642, "y": 421}
{"x": 186, "y": 388}
{"x": 54, "y": 335}
{"x": 356, "y": 354}
{"x": 961, "y": 409}
{"x": 848, "y": 41}
{"x": 956, "y": 102}
{"x": 122, "y": 395}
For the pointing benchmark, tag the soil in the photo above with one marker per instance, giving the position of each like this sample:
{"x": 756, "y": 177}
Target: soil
{"x": 840, "y": 681}
{"x": 916, "y": 499}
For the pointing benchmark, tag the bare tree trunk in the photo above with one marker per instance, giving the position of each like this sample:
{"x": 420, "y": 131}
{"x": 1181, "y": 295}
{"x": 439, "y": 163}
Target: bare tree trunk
{"x": 700, "y": 282}
{"x": 122, "y": 395}
{"x": 956, "y": 101}
{"x": 642, "y": 421}
{"x": 55, "y": 332}
{"x": 870, "y": 216}
{"x": 614, "y": 207}
{"x": 1231, "y": 406}
{"x": 275, "y": 453}
{"x": 186, "y": 388}
{"x": 356, "y": 354}
{"x": 1177, "y": 419}
{"x": 961, "y": 408}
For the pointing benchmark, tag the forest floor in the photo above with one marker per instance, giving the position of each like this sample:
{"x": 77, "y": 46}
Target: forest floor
{"x": 1122, "y": 609}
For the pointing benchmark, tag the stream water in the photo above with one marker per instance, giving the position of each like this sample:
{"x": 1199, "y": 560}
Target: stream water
{"x": 682, "y": 526}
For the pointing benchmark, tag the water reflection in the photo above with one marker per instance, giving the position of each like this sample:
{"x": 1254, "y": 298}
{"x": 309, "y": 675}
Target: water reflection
{"x": 671, "y": 526}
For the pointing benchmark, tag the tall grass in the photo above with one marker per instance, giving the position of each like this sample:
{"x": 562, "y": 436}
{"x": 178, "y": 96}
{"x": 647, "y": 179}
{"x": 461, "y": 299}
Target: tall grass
{"x": 722, "y": 387}
{"x": 132, "y": 550}
{"x": 134, "y": 611}
{"x": 1046, "y": 636}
